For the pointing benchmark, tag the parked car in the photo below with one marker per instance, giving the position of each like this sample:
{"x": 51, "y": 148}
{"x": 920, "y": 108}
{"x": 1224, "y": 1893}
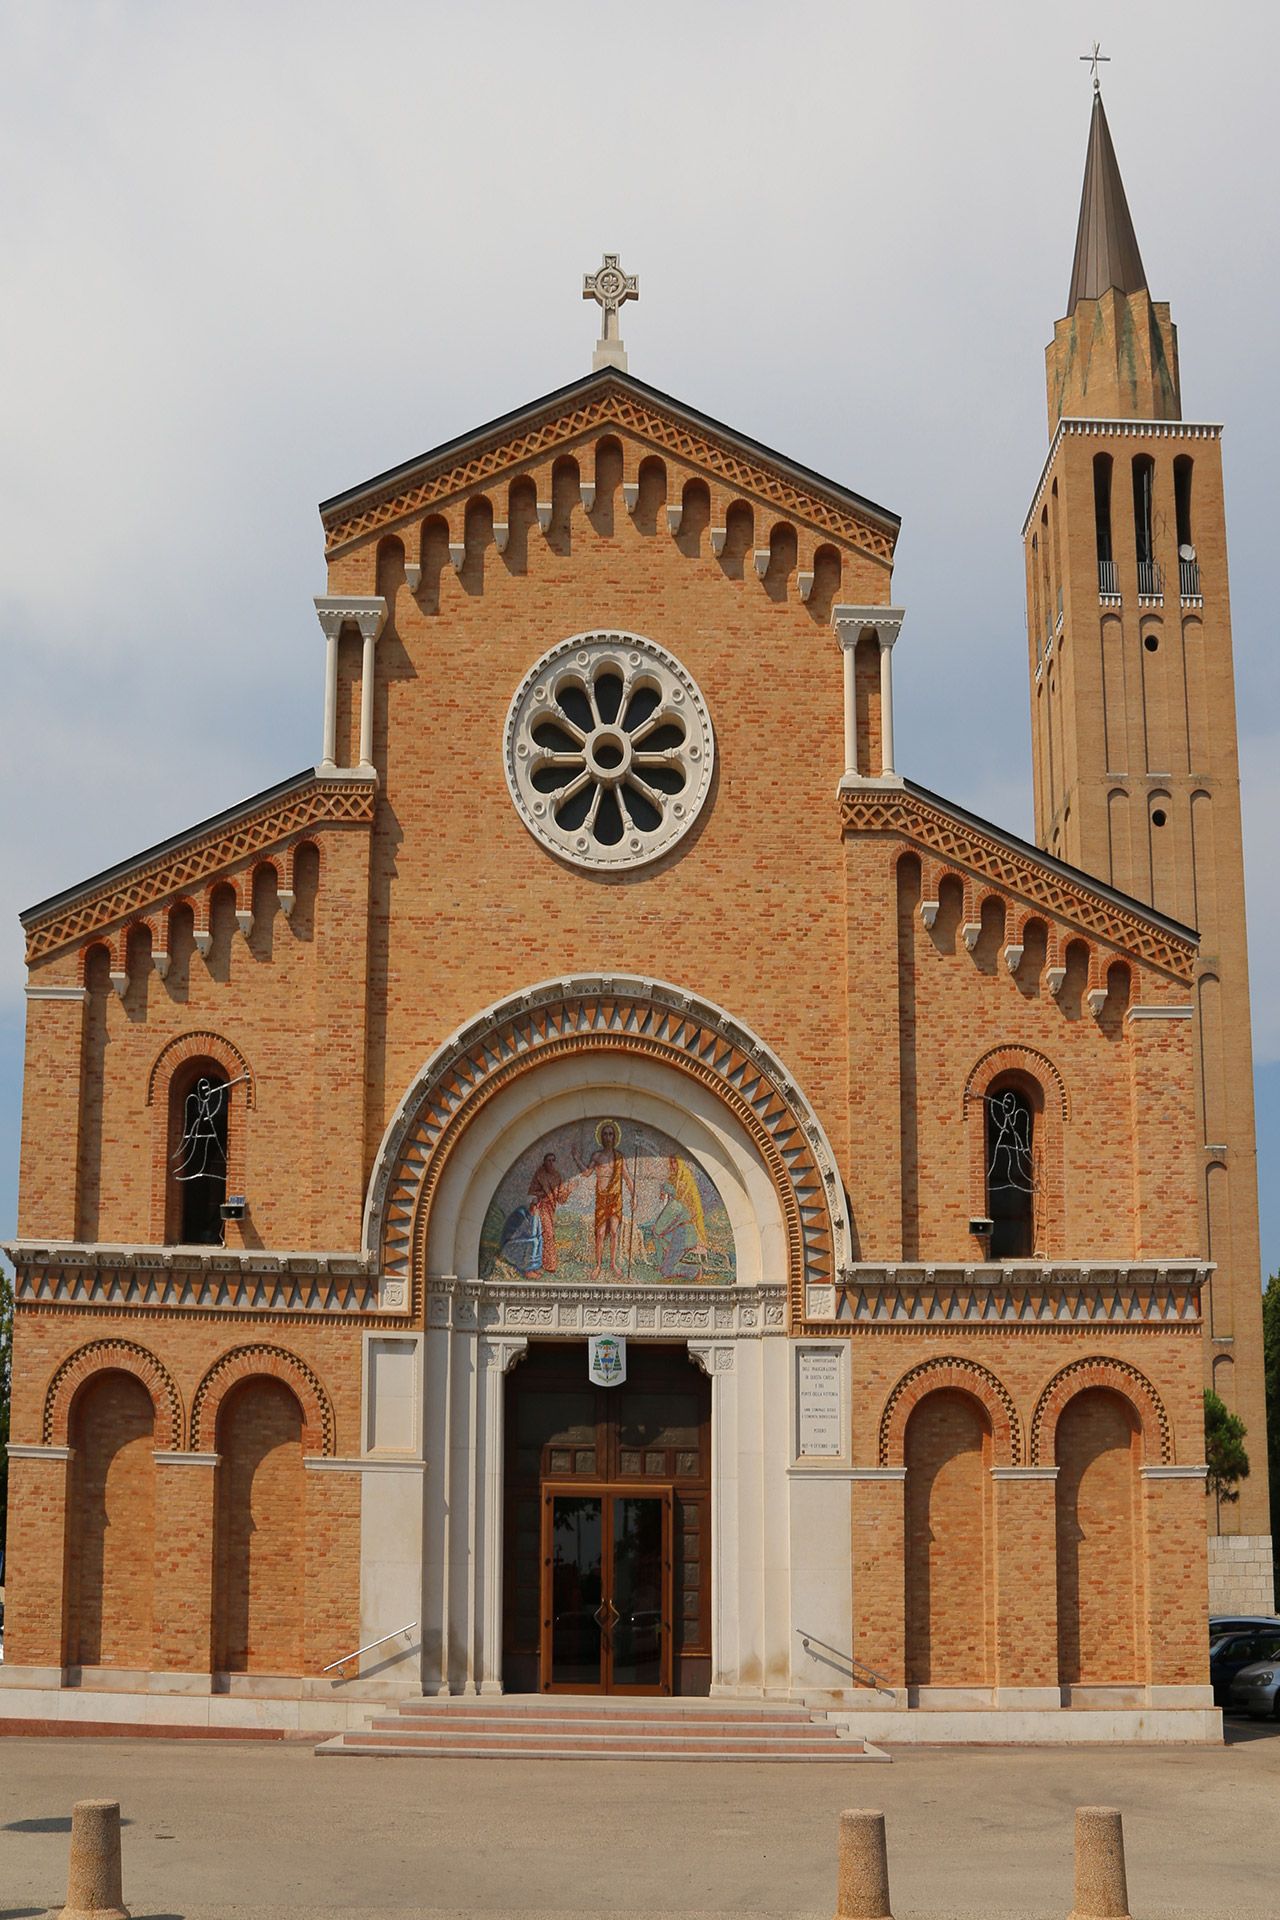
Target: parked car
{"x": 1220, "y": 1623}
{"x": 1235, "y": 1651}
{"x": 1256, "y": 1689}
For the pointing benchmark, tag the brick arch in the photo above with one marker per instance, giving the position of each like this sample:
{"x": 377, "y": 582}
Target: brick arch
{"x": 257, "y": 1362}
{"x": 959, "y": 1375}
{"x": 620, "y": 1014}
{"x": 211, "y": 1046}
{"x": 1011, "y": 1059}
{"x": 1118, "y": 1376}
{"x": 112, "y": 1356}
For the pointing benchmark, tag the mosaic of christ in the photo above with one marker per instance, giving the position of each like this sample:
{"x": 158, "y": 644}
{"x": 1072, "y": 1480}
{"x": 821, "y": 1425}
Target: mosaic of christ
{"x": 607, "y": 1201}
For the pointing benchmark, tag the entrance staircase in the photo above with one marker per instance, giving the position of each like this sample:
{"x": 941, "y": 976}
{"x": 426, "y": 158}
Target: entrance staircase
{"x": 599, "y": 1727}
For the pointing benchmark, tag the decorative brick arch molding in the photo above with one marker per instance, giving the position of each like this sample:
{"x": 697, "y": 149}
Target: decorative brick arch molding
{"x": 112, "y": 1356}
{"x": 611, "y": 1022}
{"x": 259, "y": 1362}
{"x": 199, "y": 1046}
{"x": 1028, "y": 1064}
{"x": 170, "y": 1059}
{"x": 1117, "y": 1376}
{"x": 957, "y": 1375}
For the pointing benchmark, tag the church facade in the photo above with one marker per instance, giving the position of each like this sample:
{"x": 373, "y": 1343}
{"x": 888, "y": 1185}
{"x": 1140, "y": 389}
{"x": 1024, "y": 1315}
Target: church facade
{"x": 603, "y": 1184}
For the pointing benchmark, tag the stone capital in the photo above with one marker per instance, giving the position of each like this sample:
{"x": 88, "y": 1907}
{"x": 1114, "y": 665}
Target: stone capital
{"x": 850, "y": 623}
{"x": 367, "y": 611}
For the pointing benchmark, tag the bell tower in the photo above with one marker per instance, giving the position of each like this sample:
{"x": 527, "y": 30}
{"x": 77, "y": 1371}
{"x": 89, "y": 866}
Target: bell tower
{"x": 1134, "y": 723}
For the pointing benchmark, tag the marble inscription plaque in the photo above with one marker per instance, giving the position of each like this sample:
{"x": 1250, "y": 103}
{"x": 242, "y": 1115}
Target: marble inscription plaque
{"x": 818, "y": 1402}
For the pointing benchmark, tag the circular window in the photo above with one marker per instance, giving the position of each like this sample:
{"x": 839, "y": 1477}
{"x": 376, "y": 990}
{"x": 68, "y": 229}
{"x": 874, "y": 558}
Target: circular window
{"x": 1151, "y": 643}
{"x": 608, "y": 750}
{"x": 1159, "y": 817}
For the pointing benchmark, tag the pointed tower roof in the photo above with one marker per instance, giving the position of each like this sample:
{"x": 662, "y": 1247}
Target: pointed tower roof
{"x": 1106, "y": 244}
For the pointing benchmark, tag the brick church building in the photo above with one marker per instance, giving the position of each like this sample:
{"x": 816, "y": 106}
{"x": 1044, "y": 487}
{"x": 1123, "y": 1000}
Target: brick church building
{"x": 604, "y": 1184}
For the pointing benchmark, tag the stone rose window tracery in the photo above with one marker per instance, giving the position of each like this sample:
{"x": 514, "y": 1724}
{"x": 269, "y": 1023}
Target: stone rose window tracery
{"x": 609, "y": 750}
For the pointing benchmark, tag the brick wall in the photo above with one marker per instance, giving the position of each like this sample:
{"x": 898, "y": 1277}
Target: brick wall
{"x": 1098, "y": 1518}
{"x": 261, "y": 1531}
{"x": 948, "y": 1453}
{"x": 112, "y": 1535}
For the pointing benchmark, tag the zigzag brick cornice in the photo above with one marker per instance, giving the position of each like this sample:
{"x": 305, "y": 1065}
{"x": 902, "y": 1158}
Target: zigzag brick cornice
{"x": 197, "y": 860}
{"x": 220, "y": 1281}
{"x": 438, "y": 481}
{"x": 932, "y": 830}
{"x": 605, "y": 1015}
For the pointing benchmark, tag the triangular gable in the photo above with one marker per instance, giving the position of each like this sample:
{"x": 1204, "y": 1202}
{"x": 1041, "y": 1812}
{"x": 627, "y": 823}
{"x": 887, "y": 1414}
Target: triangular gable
{"x": 578, "y": 413}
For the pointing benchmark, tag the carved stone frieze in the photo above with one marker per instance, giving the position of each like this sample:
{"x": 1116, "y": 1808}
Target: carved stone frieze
{"x": 737, "y": 1313}
{"x": 187, "y": 1280}
{"x": 867, "y": 1298}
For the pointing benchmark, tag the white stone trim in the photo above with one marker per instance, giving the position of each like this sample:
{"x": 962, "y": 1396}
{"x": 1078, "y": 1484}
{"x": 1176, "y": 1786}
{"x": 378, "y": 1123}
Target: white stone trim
{"x": 1057, "y": 1293}
{"x": 33, "y": 1452}
{"x": 177, "y": 1459}
{"x": 1174, "y": 1473}
{"x": 368, "y": 612}
{"x": 583, "y": 658}
{"x": 877, "y": 1473}
{"x": 1159, "y": 1013}
{"x": 379, "y": 1463}
{"x": 1024, "y": 1473}
{"x": 36, "y": 992}
{"x": 850, "y": 623}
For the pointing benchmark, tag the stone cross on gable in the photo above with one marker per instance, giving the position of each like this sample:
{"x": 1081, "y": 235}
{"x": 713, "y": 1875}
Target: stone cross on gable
{"x": 610, "y": 287}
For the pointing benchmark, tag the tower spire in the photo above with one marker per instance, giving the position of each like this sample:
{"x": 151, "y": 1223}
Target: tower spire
{"x": 1106, "y": 245}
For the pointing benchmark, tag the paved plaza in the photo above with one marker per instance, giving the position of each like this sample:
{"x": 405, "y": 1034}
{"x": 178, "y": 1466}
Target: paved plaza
{"x": 267, "y": 1832}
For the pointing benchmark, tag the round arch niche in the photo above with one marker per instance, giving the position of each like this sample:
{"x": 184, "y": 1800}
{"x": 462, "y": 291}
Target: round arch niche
{"x": 578, "y": 1094}
{"x": 618, "y": 1047}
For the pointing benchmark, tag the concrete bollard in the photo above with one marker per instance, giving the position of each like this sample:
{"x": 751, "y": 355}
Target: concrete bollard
{"x": 1102, "y": 1892}
{"x": 863, "y": 1881}
{"x": 93, "y": 1882}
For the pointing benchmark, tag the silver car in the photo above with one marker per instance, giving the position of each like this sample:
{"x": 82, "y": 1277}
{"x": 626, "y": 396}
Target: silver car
{"x": 1256, "y": 1689}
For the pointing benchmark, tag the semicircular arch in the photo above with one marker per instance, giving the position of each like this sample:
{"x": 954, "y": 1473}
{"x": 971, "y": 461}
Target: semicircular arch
{"x": 958, "y": 1374}
{"x": 612, "y": 1022}
{"x": 98, "y": 1357}
{"x": 261, "y": 1361}
{"x": 1117, "y": 1376}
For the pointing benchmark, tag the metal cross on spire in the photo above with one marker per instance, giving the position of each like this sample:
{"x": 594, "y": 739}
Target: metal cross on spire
{"x": 1095, "y": 59}
{"x": 610, "y": 288}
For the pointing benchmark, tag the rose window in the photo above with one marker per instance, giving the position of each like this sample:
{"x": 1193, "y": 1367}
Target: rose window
{"x": 609, "y": 750}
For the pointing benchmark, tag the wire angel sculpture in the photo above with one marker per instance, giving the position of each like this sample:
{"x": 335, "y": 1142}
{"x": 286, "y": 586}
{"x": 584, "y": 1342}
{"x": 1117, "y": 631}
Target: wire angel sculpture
{"x": 201, "y": 1154}
{"x": 1012, "y": 1166}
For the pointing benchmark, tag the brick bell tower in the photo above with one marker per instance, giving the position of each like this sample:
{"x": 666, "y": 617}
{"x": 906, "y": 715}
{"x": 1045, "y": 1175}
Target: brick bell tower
{"x": 1134, "y": 734}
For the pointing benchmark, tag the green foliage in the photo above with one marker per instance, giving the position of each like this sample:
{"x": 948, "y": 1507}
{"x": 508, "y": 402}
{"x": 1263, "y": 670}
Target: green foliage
{"x": 1224, "y": 1448}
{"x": 1271, "y": 1365}
{"x": 6, "y": 1376}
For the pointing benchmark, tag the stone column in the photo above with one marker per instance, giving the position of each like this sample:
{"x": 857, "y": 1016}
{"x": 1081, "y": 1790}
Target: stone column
{"x": 368, "y": 612}
{"x": 183, "y": 1605}
{"x": 1026, "y": 1584}
{"x": 879, "y": 1571}
{"x": 850, "y": 623}
{"x": 497, "y": 1357}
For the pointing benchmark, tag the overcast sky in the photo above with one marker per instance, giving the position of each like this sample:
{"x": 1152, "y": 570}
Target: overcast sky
{"x": 251, "y": 255}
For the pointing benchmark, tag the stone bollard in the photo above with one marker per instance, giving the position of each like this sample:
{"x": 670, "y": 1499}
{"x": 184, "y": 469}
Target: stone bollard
{"x": 863, "y": 1883}
{"x": 1101, "y": 1890}
{"x": 93, "y": 1883}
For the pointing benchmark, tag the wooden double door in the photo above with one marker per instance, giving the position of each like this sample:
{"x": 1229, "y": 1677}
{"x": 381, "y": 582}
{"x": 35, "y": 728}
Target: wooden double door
{"x": 607, "y": 1525}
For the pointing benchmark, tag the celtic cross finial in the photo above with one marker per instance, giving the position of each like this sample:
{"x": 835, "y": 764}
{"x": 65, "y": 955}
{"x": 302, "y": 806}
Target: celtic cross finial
{"x": 610, "y": 287}
{"x": 1095, "y": 59}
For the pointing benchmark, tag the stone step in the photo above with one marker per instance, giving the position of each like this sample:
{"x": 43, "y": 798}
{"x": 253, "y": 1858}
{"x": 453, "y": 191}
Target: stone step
{"x": 594, "y": 1733}
{"x": 575, "y": 1709}
{"x": 466, "y": 1749}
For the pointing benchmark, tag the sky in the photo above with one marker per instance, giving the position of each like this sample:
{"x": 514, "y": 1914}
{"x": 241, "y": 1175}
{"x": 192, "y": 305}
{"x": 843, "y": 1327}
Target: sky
{"x": 251, "y": 255}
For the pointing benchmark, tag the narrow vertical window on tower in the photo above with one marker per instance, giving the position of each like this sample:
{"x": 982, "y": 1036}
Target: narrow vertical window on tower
{"x": 1188, "y": 564}
{"x": 1143, "y": 485}
{"x": 1107, "y": 582}
{"x": 1011, "y": 1173}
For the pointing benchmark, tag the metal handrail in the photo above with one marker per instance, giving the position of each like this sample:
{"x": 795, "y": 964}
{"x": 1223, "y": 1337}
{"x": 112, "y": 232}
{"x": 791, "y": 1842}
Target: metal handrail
{"x": 341, "y": 1664}
{"x": 882, "y": 1685}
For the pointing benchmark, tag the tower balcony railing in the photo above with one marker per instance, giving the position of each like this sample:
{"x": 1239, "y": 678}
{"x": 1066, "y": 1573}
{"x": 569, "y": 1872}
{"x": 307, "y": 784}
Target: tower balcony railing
{"x": 1108, "y": 577}
{"x": 1150, "y": 584}
{"x": 1189, "y": 579}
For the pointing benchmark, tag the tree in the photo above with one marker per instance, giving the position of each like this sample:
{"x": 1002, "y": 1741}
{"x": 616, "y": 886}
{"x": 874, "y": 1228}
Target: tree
{"x": 1271, "y": 1367}
{"x": 1223, "y": 1448}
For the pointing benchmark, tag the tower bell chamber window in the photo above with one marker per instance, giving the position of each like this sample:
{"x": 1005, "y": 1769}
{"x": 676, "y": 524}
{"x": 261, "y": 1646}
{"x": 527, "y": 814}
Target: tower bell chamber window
{"x": 1143, "y": 537}
{"x": 1188, "y": 563}
{"x": 199, "y": 1098}
{"x": 1011, "y": 1162}
{"x": 1107, "y": 579}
